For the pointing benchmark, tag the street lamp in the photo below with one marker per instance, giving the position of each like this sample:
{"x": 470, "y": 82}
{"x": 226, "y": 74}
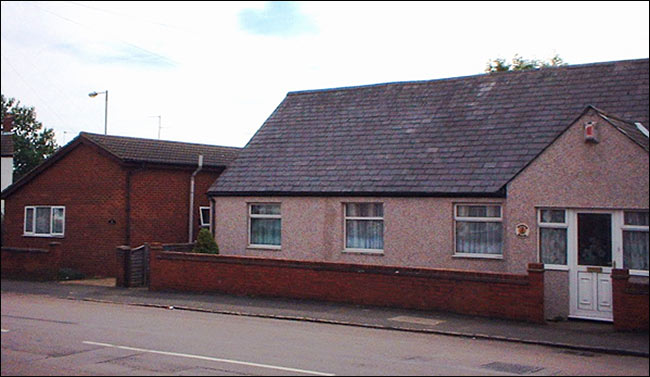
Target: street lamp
{"x": 94, "y": 94}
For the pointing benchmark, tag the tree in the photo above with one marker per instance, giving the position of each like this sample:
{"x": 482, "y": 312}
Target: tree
{"x": 521, "y": 64}
{"x": 32, "y": 142}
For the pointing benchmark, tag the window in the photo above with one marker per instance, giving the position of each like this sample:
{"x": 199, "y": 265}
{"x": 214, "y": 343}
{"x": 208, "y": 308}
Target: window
{"x": 552, "y": 236}
{"x": 364, "y": 226}
{"x": 205, "y": 216}
{"x": 44, "y": 221}
{"x": 635, "y": 240}
{"x": 265, "y": 225}
{"x": 478, "y": 230}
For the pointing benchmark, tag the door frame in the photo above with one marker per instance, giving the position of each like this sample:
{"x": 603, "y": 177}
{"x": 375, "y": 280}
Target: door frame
{"x": 572, "y": 259}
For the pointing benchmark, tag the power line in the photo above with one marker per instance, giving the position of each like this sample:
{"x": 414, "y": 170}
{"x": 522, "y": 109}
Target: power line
{"x": 45, "y": 102}
{"x": 52, "y": 84}
{"x": 175, "y": 28}
{"x": 170, "y": 61}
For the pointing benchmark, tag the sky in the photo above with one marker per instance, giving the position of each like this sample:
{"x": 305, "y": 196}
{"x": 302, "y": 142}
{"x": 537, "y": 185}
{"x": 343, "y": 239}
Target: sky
{"x": 213, "y": 72}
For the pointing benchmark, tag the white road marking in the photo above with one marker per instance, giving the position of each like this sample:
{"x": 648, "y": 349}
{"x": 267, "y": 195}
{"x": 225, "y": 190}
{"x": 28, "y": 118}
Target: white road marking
{"x": 210, "y": 359}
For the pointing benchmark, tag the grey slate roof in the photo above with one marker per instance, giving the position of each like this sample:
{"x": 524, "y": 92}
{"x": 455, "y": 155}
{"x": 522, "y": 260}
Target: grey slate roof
{"x": 630, "y": 129}
{"x": 457, "y": 136}
{"x": 130, "y": 149}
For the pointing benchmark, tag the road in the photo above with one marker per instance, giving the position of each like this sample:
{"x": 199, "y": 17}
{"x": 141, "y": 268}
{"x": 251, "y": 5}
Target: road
{"x": 49, "y": 336}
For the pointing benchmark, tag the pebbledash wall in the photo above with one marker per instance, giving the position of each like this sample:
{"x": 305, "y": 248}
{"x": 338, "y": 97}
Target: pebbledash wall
{"x": 419, "y": 232}
{"x": 106, "y": 204}
{"x": 572, "y": 174}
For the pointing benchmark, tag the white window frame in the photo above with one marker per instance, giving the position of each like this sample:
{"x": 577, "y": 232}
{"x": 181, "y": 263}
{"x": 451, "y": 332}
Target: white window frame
{"x": 252, "y": 216}
{"x": 478, "y": 219}
{"x": 564, "y": 225}
{"x": 202, "y": 222}
{"x": 632, "y": 228}
{"x": 33, "y": 233}
{"x": 345, "y": 233}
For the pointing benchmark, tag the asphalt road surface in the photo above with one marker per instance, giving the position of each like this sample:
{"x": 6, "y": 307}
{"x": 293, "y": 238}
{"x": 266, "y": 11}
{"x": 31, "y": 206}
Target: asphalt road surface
{"x": 49, "y": 336}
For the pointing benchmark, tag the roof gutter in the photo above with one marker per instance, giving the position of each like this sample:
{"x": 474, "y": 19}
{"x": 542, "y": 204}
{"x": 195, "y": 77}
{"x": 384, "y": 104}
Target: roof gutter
{"x": 191, "y": 209}
{"x": 500, "y": 193}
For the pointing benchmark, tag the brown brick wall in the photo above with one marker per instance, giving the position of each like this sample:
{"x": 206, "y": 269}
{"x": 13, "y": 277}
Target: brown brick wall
{"x": 630, "y": 302}
{"x": 160, "y": 201}
{"x": 31, "y": 264}
{"x": 477, "y": 293}
{"x": 91, "y": 186}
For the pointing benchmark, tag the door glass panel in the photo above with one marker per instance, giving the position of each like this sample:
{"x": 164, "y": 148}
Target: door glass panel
{"x": 594, "y": 239}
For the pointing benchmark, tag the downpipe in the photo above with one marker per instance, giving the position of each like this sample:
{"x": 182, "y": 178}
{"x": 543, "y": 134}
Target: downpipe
{"x": 191, "y": 211}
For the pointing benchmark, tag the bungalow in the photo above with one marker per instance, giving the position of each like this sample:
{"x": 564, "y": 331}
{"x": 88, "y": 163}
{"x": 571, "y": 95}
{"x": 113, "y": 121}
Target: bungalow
{"x": 100, "y": 191}
{"x": 485, "y": 173}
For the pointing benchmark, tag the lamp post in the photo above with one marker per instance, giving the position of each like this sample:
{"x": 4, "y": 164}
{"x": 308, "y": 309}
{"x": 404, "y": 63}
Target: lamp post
{"x": 94, "y": 94}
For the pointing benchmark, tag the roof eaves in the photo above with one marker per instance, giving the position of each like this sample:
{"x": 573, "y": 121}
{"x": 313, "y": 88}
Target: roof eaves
{"x": 501, "y": 193}
{"x": 608, "y": 118}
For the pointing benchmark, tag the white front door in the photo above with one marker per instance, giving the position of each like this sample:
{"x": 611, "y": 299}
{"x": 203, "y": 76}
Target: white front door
{"x": 593, "y": 250}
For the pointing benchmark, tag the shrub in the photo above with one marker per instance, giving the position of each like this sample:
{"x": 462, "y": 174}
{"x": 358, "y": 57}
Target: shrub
{"x": 205, "y": 243}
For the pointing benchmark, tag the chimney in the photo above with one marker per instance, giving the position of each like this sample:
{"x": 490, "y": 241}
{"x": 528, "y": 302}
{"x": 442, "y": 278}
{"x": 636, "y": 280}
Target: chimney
{"x": 8, "y": 123}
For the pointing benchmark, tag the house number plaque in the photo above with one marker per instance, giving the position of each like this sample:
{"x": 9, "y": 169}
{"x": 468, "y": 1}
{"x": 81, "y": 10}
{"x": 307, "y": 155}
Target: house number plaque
{"x": 522, "y": 230}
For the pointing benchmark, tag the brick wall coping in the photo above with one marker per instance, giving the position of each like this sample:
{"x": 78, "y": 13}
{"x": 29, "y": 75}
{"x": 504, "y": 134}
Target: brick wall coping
{"x": 450, "y": 274}
{"x": 180, "y": 247}
{"x": 24, "y": 250}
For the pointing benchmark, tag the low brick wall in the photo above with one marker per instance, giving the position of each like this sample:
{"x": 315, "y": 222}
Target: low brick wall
{"x": 630, "y": 302}
{"x": 31, "y": 263}
{"x": 511, "y": 296}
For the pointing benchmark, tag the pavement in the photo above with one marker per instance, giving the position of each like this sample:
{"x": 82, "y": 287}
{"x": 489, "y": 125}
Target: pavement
{"x": 573, "y": 336}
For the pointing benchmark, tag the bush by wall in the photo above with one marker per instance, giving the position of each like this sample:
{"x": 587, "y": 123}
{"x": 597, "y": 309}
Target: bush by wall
{"x": 205, "y": 243}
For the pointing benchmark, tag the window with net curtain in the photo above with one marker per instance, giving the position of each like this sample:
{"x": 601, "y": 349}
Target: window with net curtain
{"x": 635, "y": 241}
{"x": 364, "y": 226}
{"x": 478, "y": 229}
{"x": 265, "y": 225}
{"x": 553, "y": 236}
{"x": 44, "y": 220}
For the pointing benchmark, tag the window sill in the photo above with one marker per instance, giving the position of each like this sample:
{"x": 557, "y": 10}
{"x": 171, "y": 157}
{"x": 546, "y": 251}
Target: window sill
{"x": 479, "y": 256}
{"x": 556, "y": 267}
{"x": 44, "y": 235}
{"x": 639, "y": 273}
{"x": 264, "y": 247}
{"x": 363, "y": 251}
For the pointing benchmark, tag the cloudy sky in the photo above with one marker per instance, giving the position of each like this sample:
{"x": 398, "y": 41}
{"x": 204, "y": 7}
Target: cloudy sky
{"x": 214, "y": 71}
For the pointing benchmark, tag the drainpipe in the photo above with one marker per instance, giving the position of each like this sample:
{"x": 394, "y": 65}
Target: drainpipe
{"x": 191, "y": 223}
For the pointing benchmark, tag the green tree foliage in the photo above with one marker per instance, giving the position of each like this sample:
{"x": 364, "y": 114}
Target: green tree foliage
{"x": 205, "y": 243}
{"x": 520, "y": 64}
{"x": 32, "y": 142}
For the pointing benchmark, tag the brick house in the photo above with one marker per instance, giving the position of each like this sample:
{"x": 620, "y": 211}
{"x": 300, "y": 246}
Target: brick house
{"x": 99, "y": 191}
{"x": 483, "y": 173}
